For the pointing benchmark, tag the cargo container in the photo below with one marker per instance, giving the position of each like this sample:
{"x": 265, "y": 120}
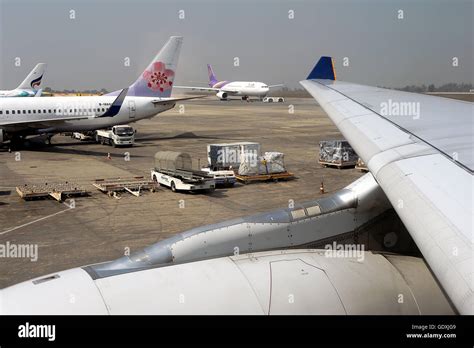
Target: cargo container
{"x": 230, "y": 155}
{"x": 338, "y": 153}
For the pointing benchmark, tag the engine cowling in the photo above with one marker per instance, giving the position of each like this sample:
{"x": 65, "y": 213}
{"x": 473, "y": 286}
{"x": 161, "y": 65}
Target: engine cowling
{"x": 221, "y": 95}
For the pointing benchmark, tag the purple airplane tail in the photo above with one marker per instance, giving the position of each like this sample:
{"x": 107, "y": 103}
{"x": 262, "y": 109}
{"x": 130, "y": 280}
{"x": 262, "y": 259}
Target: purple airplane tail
{"x": 158, "y": 78}
{"x": 212, "y": 76}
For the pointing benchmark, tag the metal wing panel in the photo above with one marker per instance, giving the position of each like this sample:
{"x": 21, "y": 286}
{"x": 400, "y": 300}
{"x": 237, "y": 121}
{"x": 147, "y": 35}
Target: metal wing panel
{"x": 433, "y": 191}
{"x": 446, "y": 124}
{"x": 371, "y": 131}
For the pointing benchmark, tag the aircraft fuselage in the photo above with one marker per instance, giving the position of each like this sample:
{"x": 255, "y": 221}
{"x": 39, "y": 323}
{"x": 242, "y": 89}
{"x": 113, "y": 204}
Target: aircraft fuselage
{"x": 20, "y": 111}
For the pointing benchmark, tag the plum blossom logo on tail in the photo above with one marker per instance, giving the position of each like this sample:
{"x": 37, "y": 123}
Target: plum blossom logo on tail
{"x": 158, "y": 78}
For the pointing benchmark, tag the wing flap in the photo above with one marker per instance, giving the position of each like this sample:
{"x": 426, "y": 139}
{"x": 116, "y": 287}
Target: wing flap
{"x": 437, "y": 220}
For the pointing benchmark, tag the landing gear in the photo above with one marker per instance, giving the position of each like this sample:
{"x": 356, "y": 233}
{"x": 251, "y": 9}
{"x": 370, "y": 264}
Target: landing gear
{"x": 47, "y": 141}
{"x": 16, "y": 142}
{"x": 246, "y": 98}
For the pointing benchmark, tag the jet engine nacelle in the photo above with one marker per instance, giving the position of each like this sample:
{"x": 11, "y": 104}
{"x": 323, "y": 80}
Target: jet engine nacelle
{"x": 221, "y": 95}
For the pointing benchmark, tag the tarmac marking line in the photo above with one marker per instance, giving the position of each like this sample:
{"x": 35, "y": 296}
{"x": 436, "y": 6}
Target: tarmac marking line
{"x": 35, "y": 221}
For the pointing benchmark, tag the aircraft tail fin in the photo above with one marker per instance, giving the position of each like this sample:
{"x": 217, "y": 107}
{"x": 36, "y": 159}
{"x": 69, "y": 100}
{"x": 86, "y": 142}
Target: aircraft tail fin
{"x": 34, "y": 78}
{"x": 324, "y": 69}
{"x": 212, "y": 76}
{"x": 158, "y": 78}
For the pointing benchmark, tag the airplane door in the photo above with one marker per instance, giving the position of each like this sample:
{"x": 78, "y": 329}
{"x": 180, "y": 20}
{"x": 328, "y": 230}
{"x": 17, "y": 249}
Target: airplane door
{"x": 131, "y": 109}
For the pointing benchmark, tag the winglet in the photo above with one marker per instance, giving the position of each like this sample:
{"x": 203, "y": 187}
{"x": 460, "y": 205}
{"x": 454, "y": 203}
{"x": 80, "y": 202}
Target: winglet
{"x": 116, "y": 105}
{"x": 324, "y": 69}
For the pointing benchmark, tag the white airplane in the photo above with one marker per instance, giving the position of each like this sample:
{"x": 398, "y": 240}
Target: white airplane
{"x": 146, "y": 97}
{"x": 226, "y": 89}
{"x": 30, "y": 87}
{"x": 240, "y": 266}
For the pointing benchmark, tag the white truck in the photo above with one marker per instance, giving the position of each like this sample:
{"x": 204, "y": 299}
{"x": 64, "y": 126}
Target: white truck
{"x": 174, "y": 170}
{"x": 122, "y": 135}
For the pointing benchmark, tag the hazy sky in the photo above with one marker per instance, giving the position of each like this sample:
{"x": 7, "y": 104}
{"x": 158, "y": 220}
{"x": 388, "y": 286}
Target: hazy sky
{"x": 88, "y": 52}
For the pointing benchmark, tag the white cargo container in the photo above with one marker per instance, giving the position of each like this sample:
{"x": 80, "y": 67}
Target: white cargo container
{"x": 230, "y": 155}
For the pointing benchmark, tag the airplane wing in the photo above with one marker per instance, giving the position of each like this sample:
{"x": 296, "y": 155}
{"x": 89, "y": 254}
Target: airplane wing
{"x": 203, "y": 89}
{"x": 274, "y": 86}
{"x": 206, "y": 89}
{"x": 167, "y": 100}
{"x": 420, "y": 149}
{"x": 40, "y": 122}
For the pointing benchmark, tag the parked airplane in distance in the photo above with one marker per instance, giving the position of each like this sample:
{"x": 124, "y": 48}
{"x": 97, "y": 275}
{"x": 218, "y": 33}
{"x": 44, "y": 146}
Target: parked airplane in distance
{"x": 30, "y": 87}
{"x": 146, "y": 97}
{"x": 226, "y": 89}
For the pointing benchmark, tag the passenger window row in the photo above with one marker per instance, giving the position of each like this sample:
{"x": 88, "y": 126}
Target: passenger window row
{"x": 49, "y": 111}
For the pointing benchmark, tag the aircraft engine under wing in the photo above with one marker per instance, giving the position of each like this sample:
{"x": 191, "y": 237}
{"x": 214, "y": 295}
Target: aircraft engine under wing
{"x": 420, "y": 149}
{"x": 277, "y": 282}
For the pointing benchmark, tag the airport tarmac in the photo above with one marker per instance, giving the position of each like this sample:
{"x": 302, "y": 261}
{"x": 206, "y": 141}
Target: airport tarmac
{"x": 101, "y": 228}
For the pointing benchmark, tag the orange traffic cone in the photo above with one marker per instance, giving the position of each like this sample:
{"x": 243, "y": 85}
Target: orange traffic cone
{"x": 108, "y": 156}
{"x": 321, "y": 188}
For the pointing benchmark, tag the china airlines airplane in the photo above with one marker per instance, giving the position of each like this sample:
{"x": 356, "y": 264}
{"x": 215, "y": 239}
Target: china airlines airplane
{"x": 147, "y": 96}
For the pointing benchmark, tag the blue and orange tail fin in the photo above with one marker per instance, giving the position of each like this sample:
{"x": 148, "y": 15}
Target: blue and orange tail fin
{"x": 324, "y": 69}
{"x": 34, "y": 78}
{"x": 212, "y": 76}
